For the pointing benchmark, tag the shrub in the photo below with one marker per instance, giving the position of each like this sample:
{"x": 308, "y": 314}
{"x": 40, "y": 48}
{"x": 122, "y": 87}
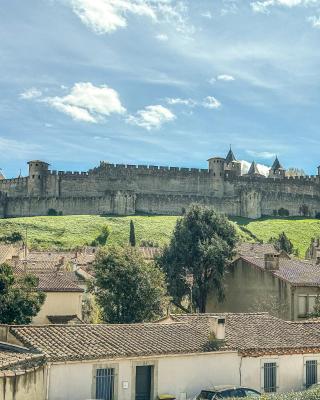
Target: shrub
{"x": 52, "y": 212}
{"x": 102, "y": 238}
{"x": 12, "y": 238}
{"x": 305, "y": 395}
{"x": 282, "y": 212}
{"x": 148, "y": 243}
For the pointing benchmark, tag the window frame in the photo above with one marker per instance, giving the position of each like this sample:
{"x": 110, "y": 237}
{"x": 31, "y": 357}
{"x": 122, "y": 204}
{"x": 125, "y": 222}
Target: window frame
{"x": 277, "y": 375}
{"x": 310, "y": 358}
{"x": 113, "y": 366}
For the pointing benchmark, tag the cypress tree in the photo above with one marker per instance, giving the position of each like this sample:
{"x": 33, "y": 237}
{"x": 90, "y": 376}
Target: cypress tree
{"x": 132, "y": 236}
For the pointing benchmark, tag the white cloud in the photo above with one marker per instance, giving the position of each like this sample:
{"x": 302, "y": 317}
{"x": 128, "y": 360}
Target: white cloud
{"x": 106, "y": 16}
{"x": 162, "y": 37}
{"x": 315, "y": 21}
{"x": 263, "y": 6}
{"x": 225, "y": 77}
{"x": 211, "y": 102}
{"x": 263, "y": 169}
{"x": 262, "y": 154}
{"x": 31, "y": 93}
{"x": 186, "y": 102}
{"x": 206, "y": 14}
{"x": 88, "y": 103}
{"x": 212, "y": 81}
{"x": 151, "y": 117}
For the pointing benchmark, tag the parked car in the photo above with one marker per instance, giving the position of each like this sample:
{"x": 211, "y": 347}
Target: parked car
{"x": 223, "y": 392}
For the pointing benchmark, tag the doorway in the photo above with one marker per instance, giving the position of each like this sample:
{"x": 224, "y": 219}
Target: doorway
{"x": 143, "y": 382}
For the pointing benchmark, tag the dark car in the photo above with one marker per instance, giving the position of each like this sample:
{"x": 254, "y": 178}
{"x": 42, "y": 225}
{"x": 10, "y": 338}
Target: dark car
{"x": 223, "y": 392}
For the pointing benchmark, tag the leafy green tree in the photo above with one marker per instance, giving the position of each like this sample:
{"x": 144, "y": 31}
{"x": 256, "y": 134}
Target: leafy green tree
{"x": 20, "y": 300}
{"x": 282, "y": 242}
{"x": 13, "y": 237}
{"x": 128, "y": 289}
{"x": 132, "y": 236}
{"x": 195, "y": 260}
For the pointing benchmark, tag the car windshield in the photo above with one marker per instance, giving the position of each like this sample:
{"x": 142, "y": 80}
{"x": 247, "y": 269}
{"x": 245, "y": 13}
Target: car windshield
{"x": 206, "y": 395}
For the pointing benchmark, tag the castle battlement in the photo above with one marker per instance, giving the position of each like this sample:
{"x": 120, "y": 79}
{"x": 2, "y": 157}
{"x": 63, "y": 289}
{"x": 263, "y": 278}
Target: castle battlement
{"x": 130, "y": 188}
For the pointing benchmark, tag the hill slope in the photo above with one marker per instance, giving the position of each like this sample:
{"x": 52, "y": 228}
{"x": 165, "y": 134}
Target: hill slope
{"x": 66, "y": 232}
{"x": 299, "y": 230}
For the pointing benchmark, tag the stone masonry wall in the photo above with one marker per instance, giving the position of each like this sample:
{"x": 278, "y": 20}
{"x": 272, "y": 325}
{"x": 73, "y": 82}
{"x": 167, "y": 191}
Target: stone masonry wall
{"x": 129, "y": 189}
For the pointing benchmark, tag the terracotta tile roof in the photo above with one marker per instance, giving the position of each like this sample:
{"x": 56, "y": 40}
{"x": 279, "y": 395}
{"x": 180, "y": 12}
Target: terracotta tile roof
{"x": 295, "y": 271}
{"x": 256, "y": 249}
{"x": 57, "y": 282}
{"x": 54, "y": 256}
{"x": 149, "y": 253}
{"x": 74, "y": 342}
{"x": 7, "y": 251}
{"x": 13, "y": 358}
{"x": 260, "y": 333}
{"x": 32, "y": 266}
{"x": 251, "y": 334}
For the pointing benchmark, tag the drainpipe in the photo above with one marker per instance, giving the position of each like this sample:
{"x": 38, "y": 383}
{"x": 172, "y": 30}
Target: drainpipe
{"x": 48, "y": 381}
{"x": 240, "y": 371}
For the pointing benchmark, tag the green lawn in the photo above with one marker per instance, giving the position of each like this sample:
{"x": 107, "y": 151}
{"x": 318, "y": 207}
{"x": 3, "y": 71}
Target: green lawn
{"x": 66, "y": 232}
{"x": 299, "y": 230}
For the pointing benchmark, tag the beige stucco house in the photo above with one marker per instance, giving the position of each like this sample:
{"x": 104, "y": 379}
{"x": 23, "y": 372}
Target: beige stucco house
{"x": 262, "y": 279}
{"x": 142, "y": 361}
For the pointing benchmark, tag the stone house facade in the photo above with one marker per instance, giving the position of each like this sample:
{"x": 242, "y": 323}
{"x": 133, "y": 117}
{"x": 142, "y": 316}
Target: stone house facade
{"x": 262, "y": 279}
{"x": 172, "y": 356}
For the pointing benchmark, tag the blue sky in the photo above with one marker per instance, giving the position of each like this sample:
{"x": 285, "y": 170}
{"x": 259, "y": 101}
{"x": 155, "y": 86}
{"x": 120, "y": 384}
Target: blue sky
{"x": 159, "y": 82}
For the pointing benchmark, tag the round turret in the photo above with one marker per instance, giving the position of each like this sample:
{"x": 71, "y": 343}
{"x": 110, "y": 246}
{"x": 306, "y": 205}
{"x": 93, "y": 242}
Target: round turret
{"x": 216, "y": 166}
{"x": 38, "y": 171}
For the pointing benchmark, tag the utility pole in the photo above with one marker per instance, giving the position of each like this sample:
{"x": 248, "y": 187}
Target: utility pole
{"x": 26, "y": 244}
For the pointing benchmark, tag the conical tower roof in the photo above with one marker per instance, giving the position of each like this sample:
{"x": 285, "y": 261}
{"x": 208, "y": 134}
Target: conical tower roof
{"x": 276, "y": 164}
{"x": 230, "y": 157}
{"x": 253, "y": 170}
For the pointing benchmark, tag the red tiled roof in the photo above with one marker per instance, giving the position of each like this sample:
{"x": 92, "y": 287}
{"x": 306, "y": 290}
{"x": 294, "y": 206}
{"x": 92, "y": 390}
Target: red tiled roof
{"x": 251, "y": 334}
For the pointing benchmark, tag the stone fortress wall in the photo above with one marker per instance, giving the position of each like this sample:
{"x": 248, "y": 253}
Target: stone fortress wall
{"x": 129, "y": 189}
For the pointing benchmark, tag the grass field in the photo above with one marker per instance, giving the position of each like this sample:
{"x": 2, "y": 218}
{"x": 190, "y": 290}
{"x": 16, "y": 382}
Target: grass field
{"x": 77, "y": 230}
{"x": 66, "y": 232}
{"x": 299, "y": 230}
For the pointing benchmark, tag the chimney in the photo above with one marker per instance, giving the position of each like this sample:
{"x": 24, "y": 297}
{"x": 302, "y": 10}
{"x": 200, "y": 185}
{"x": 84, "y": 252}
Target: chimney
{"x": 271, "y": 262}
{"x": 218, "y": 326}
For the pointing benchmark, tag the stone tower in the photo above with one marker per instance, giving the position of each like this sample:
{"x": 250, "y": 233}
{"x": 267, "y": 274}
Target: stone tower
{"x": 277, "y": 171}
{"x": 232, "y": 165}
{"x": 216, "y": 167}
{"x": 38, "y": 171}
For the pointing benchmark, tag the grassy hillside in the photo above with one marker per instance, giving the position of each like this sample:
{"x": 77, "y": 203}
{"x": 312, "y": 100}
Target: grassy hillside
{"x": 68, "y": 232}
{"x": 299, "y": 230}
{"x": 77, "y": 230}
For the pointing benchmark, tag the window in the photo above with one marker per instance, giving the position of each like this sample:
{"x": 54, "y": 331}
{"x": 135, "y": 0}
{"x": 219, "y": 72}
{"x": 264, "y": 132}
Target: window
{"x": 306, "y": 304}
{"x": 105, "y": 384}
{"x": 303, "y": 305}
{"x": 270, "y": 377}
{"x": 311, "y": 372}
{"x": 312, "y": 300}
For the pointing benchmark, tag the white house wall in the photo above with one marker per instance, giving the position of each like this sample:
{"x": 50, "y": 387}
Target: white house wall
{"x": 173, "y": 374}
{"x": 290, "y": 374}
